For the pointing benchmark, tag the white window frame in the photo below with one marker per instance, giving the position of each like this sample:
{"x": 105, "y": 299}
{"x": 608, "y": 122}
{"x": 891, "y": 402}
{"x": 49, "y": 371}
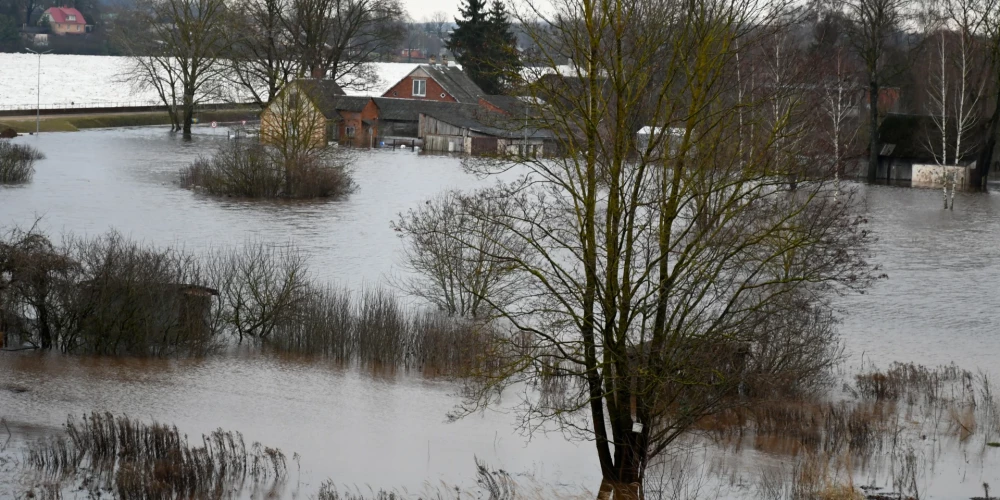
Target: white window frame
{"x": 420, "y": 87}
{"x": 71, "y": 17}
{"x": 349, "y": 132}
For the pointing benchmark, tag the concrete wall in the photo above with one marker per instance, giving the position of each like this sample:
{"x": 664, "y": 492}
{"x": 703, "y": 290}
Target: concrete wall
{"x": 933, "y": 176}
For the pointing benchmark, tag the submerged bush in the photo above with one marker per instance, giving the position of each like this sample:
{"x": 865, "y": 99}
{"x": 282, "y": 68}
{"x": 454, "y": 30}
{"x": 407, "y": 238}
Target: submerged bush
{"x": 17, "y": 162}
{"x": 249, "y": 169}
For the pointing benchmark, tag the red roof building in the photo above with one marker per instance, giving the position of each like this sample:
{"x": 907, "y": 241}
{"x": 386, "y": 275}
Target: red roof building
{"x": 65, "y": 21}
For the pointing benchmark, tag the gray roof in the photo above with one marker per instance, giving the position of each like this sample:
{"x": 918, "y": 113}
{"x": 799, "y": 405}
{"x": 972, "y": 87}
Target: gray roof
{"x": 408, "y": 110}
{"x": 487, "y": 122}
{"x": 330, "y": 98}
{"x": 511, "y": 104}
{"x": 455, "y": 82}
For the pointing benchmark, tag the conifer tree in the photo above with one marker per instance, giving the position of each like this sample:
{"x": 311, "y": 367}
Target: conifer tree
{"x": 484, "y": 45}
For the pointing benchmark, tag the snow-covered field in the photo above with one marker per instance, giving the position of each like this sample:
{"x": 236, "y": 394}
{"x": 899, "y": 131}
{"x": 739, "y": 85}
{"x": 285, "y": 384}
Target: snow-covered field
{"x": 68, "y": 80}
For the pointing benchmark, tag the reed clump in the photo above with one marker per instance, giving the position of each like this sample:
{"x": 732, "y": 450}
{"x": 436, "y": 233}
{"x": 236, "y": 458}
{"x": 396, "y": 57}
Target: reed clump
{"x": 155, "y": 461}
{"x": 17, "y": 162}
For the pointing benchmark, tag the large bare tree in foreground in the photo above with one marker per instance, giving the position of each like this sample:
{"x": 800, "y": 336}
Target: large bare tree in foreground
{"x": 665, "y": 275}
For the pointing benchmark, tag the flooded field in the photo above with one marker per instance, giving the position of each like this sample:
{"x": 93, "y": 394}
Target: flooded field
{"x": 938, "y": 306}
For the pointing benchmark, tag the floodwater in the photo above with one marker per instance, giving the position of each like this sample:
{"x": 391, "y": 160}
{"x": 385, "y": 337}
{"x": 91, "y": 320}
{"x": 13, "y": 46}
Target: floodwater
{"x": 939, "y": 305}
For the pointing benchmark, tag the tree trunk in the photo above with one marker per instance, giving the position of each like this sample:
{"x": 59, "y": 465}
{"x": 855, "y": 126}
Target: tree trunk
{"x": 44, "y": 331}
{"x": 611, "y": 490}
{"x": 873, "y": 143}
{"x": 978, "y": 177}
{"x": 188, "y": 113}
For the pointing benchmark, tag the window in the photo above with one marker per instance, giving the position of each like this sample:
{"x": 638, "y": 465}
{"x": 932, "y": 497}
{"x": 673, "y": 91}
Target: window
{"x": 419, "y": 88}
{"x": 71, "y": 18}
{"x": 349, "y": 132}
{"x": 293, "y": 100}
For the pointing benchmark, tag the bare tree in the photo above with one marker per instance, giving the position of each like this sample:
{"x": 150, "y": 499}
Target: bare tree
{"x": 260, "y": 55}
{"x": 455, "y": 277}
{"x": 340, "y": 38}
{"x": 440, "y": 23}
{"x": 175, "y": 48}
{"x": 657, "y": 276}
{"x": 874, "y": 24}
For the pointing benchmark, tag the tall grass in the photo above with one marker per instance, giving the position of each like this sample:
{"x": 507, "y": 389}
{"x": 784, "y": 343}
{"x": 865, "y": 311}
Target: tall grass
{"x": 155, "y": 461}
{"x": 17, "y": 162}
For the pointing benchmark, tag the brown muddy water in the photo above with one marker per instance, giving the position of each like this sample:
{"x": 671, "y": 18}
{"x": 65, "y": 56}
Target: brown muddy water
{"x": 941, "y": 304}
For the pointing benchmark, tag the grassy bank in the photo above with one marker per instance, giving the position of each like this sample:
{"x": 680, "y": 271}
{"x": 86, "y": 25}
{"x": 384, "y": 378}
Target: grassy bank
{"x": 70, "y": 123}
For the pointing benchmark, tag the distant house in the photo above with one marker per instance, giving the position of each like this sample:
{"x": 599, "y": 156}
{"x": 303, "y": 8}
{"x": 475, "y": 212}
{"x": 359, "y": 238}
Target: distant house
{"x": 432, "y": 82}
{"x": 319, "y": 108}
{"x": 412, "y": 53}
{"x": 65, "y": 21}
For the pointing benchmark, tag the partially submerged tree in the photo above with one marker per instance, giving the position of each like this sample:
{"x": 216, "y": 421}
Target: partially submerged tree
{"x": 174, "y": 48}
{"x": 669, "y": 277}
{"x": 449, "y": 273}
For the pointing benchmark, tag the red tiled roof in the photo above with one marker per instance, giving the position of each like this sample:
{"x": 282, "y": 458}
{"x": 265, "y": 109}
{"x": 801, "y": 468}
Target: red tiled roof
{"x": 61, "y": 15}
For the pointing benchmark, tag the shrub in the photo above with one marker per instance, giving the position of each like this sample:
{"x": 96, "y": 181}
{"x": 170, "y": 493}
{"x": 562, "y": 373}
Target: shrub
{"x": 17, "y": 162}
{"x": 251, "y": 170}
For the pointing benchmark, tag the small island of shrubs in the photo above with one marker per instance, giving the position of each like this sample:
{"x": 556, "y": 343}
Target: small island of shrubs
{"x": 249, "y": 169}
{"x": 17, "y": 162}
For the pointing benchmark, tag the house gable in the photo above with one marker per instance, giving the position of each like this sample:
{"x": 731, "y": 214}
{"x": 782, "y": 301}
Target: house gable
{"x": 433, "y": 91}
{"x": 440, "y": 83}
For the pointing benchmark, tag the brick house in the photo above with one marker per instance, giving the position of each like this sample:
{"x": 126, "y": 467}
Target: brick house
{"x": 319, "y": 108}
{"x": 431, "y": 82}
{"x": 65, "y": 21}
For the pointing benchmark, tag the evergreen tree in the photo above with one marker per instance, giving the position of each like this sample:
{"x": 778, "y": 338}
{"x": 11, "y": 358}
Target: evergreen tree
{"x": 504, "y": 56}
{"x": 484, "y": 45}
{"x": 10, "y": 39}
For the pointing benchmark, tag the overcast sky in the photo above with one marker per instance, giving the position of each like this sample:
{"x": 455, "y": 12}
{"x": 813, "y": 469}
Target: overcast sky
{"x": 421, "y": 10}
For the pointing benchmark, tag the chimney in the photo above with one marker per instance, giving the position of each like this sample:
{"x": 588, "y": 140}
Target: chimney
{"x": 432, "y": 60}
{"x": 318, "y": 73}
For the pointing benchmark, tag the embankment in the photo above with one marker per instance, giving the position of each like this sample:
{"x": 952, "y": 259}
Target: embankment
{"x": 25, "y": 124}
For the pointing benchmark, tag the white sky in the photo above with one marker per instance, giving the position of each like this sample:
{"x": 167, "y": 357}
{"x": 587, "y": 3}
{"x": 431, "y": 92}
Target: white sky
{"x": 421, "y": 10}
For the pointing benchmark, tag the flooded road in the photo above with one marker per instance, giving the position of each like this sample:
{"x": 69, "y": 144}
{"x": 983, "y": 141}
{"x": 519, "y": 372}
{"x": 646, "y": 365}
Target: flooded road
{"x": 938, "y": 306}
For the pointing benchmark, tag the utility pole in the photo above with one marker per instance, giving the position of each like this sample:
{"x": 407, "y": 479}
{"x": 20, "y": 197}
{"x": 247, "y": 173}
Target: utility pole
{"x": 38, "y": 91}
